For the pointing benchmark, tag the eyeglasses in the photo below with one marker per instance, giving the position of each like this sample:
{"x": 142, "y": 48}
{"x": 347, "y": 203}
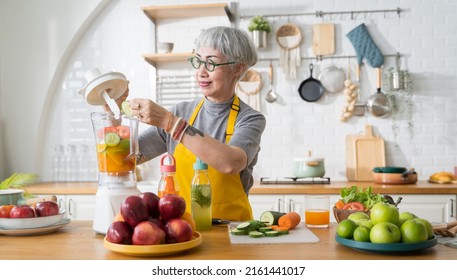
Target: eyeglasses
{"x": 209, "y": 64}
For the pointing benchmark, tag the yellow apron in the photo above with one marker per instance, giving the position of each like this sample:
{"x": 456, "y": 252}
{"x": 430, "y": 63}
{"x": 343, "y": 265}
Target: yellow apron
{"x": 229, "y": 201}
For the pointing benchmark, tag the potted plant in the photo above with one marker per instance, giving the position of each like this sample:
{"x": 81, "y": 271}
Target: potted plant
{"x": 260, "y": 27}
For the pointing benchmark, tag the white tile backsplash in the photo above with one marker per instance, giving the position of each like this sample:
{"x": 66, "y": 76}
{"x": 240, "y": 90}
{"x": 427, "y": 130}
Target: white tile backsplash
{"x": 425, "y": 35}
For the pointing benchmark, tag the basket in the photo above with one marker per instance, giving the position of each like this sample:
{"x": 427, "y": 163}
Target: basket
{"x": 343, "y": 214}
{"x": 288, "y": 36}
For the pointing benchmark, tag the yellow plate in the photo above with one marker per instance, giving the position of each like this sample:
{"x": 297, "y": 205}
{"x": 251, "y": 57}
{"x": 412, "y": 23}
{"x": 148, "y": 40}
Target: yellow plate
{"x": 154, "y": 250}
{"x": 442, "y": 182}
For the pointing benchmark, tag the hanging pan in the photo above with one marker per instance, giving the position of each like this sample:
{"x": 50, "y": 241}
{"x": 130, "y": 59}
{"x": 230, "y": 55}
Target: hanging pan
{"x": 378, "y": 103}
{"x": 311, "y": 89}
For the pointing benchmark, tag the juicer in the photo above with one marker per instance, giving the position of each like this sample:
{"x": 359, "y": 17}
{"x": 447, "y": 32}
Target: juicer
{"x": 116, "y": 140}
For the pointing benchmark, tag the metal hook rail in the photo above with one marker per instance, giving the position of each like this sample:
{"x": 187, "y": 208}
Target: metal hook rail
{"x": 321, "y": 14}
{"x": 321, "y": 57}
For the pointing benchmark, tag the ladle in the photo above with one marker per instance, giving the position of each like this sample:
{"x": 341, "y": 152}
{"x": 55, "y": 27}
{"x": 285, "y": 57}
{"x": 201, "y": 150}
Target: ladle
{"x": 271, "y": 95}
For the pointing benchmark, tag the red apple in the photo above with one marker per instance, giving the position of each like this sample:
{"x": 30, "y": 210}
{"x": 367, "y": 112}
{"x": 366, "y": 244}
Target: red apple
{"x": 152, "y": 201}
{"x": 158, "y": 222}
{"x": 134, "y": 210}
{"x": 46, "y": 208}
{"x": 178, "y": 230}
{"x": 148, "y": 233}
{"x": 22, "y": 211}
{"x": 120, "y": 232}
{"x": 171, "y": 206}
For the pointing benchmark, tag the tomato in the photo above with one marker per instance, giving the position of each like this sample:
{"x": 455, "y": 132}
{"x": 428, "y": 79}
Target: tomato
{"x": 5, "y": 210}
{"x": 123, "y": 131}
{"x": 354, "y": 206}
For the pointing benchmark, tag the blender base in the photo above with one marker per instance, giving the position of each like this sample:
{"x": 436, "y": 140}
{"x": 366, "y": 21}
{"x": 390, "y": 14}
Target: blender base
{"x": 107, "y": 205}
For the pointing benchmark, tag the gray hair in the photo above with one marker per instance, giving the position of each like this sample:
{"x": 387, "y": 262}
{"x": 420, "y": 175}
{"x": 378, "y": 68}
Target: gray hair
{"x": 233, "y": 43}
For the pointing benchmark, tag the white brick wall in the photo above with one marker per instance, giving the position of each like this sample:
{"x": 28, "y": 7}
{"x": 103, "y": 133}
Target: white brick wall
{"x": 425, "y": 34}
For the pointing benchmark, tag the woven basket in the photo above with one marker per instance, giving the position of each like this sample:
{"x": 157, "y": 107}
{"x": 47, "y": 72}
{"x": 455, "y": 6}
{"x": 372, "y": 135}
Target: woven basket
{"x": 289, "y": 30}
{"x": 250, "y": 79}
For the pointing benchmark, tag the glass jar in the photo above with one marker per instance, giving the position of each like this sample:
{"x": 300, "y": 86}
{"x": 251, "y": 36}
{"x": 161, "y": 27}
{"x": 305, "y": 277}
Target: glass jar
{"x": 168, "y": 182}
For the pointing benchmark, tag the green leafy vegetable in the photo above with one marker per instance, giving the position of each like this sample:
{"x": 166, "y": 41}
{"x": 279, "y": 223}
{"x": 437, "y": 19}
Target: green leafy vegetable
{"x": 357, "y": 194}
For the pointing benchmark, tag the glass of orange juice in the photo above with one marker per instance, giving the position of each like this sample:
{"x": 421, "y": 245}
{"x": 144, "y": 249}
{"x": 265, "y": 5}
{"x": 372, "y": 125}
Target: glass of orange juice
{"x": 317, "y": 211}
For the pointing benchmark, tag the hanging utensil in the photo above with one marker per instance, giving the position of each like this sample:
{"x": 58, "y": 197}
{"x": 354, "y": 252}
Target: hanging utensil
{"x": 311, "y": 89}
{"x": 332, "y": 79}
{"x": 378, "y": 104}
{"x": 271, "y": 94}
{"x": 359, "y": 106}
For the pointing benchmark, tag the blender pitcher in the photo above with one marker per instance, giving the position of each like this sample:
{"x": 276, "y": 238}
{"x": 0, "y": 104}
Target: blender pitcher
{"x": 116, "y": 140}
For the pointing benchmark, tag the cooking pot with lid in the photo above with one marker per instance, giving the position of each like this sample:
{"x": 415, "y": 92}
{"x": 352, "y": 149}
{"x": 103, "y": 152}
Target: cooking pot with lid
{"x": 309, "y": 167}
{"x": 393, "y": 175}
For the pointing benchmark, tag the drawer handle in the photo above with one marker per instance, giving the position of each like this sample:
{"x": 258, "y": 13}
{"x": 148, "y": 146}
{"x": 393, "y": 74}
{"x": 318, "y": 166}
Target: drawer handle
{"x": 452, "y": 208}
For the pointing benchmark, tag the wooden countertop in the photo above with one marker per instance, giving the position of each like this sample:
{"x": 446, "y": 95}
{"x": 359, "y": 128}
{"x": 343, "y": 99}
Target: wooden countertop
{"x": 65, "y": 244}
{"x": 421, "y": 187}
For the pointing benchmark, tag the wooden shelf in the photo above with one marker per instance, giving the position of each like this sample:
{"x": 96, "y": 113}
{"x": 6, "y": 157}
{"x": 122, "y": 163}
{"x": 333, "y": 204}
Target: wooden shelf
{"x": 187, "y": 11}
{"x": 156, "y": 58}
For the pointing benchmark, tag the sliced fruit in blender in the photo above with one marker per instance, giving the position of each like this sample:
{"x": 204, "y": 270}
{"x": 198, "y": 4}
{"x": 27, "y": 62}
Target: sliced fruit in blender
{"x": 112, "y": 139}
{"x": 126, "y": 109}
{"x": 101, "y": 147}
{"x": 123, "y": 131}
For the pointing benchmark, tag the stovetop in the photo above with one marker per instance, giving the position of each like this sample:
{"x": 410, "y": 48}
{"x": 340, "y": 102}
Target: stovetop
{"x": 294, "y": 180}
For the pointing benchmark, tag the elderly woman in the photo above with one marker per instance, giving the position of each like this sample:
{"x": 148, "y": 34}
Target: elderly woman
{"x": 219, "y": 128}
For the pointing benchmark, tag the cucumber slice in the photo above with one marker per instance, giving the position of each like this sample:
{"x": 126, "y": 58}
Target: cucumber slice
{"x": 255, "y": 234}
{"x": 272, "y": 233}
{"x": 236, "y": 231}
{"x": 264, "y": 229}
{"x": 112, "y": 139}
{"x": 282, "y": 231}
{"x": 271, "y": 218}
{"x": 244, "y": 226}
{"x": 126, "y": 109}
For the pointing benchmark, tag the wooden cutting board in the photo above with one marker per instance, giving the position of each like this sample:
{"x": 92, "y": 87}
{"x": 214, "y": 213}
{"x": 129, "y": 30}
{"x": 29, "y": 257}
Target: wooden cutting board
{"x": 323, "y": 39}
{"x": 363, "y": 153}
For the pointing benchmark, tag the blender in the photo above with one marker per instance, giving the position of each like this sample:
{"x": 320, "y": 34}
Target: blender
{"x": 116, "y": 141}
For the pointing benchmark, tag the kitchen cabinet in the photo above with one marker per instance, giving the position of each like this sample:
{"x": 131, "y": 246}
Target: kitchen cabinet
{"x": 435, "y": 208}
{"x": 283, "y": 203}
{"x": 156, "y": 13}
{"x": 77, "y": 207}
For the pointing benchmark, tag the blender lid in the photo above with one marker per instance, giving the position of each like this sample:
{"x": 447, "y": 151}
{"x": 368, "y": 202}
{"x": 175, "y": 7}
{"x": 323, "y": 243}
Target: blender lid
{"x": 113, "y": 83}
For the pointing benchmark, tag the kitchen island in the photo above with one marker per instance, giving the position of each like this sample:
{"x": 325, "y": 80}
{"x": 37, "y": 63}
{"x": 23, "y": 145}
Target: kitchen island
{"x": 77, "y": 241}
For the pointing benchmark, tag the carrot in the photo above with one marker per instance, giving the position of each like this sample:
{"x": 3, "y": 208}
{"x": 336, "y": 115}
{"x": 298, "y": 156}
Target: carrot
{"x": 339, "y": 204}
{"x": 289, "y": 220}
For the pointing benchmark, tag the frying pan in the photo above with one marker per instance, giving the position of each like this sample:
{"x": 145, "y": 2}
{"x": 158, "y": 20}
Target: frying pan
{"x": 311, "y": 89}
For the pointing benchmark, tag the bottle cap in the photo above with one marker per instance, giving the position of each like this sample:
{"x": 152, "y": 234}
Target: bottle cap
{"x": 200, "y": 165}
{"x": 171, "y": 167}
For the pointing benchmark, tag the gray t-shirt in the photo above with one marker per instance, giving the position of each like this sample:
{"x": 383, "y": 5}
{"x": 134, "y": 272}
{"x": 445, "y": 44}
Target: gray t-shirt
{"x": 212, "y": 120}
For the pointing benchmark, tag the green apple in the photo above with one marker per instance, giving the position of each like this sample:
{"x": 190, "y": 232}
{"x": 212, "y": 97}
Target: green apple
{"x": 362, "y": 234}
{"x": 428, "y": 226}
{"x": 385, "y": 232}
{"x": 346, "y": 228}
{"x": 413, "y": 231}
{"x": 404, "y": 216}
{"x": 358, "y": 216}
{"x": 365, "y": 223}
{"x": 384, "y": 212}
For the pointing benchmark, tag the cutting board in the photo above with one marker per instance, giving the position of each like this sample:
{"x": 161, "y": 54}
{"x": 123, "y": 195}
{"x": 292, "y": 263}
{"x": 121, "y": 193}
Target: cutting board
{"x": 300, "y": 234}
{"x": 323, "y": 39}
{"x": 363, "y": 153}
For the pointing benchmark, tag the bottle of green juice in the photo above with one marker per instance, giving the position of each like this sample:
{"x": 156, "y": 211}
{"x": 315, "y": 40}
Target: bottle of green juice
{"x": 201, "y": 197}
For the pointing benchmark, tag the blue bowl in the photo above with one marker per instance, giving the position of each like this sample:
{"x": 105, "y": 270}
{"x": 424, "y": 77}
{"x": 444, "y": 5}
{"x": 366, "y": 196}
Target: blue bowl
{"x": 10, "y": 196}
